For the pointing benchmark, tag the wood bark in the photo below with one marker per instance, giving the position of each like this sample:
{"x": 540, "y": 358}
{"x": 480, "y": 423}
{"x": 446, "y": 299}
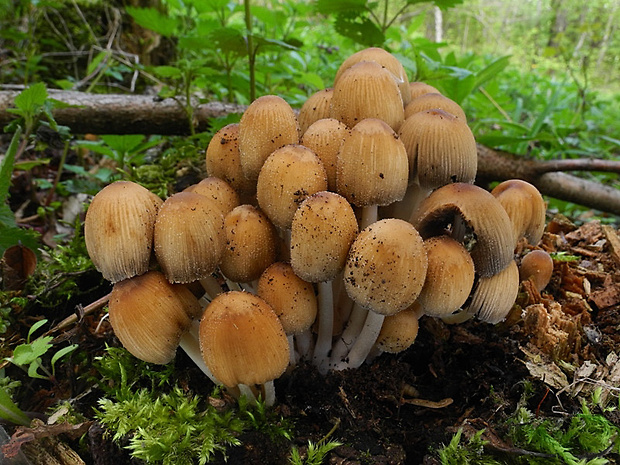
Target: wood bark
{"x": 140, "y": 114}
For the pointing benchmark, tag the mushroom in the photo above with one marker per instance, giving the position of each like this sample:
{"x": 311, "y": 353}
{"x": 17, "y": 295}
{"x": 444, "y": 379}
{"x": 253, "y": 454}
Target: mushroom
{"x": 189, "y": 237}
{"x": 324, "y": 137}
{"x": 293, "y": 300}
{"x": 243, "y": 343}
{"x": 491, "y": 246}
{"x": 384, "y": 273}
{"x": 289, "y": 175}
{"x": 525, "y": 206}
{"x": 371, "y": 168}
{"x": 386, "y": 60}
{"x": 322, "y": 231}
{"x": 252, "y": 243}
{"x": 536, "y": 265}
{"x": 266, "y": 125}
{"x": 367, "y": 90}
{"x": 118, "y": 229}
{"x": 217, "y": 190}
{"x": 418, "y": 88}
{"x": 316, "y": 107}
{"x": 449, "y": 278}
{"x": 399, "y": 331}
{"x": 431, "y": 101}
{"x": 223, "y": 160}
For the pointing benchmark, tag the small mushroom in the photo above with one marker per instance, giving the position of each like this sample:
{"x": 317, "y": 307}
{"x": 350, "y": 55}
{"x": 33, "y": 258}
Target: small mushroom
{"x": 118, "y": 229}
{"x": 433, "y": 100}
{"x": 266, "y": 125}
{"x": 399, "y": 331}
{"x": 536, "y": 265}
{"x": 217, "y": 190}
{"x": 316, "y": 107}
{"x": 418, "y": 88}
{"x": 189, "y": 237}
{"x": 243, "y": 343}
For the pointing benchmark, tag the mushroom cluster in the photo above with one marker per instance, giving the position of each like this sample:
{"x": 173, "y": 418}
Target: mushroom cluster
{"x": 321, "y": 236}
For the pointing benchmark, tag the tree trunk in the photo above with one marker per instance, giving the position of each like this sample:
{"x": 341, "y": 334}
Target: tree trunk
{"x": 138, "y": 114}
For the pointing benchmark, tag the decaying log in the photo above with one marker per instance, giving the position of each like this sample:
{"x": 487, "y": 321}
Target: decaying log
{"x": 141, "y": 114}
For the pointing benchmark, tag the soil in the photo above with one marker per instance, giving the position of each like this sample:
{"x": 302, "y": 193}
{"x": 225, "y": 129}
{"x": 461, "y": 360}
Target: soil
{"x": 399, "y": 409}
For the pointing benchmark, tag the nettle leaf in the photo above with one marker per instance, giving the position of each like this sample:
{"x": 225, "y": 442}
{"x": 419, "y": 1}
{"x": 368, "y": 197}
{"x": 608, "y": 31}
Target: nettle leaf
{"x": 152, "y": 19}
{"x": 360, "y": 29}
{"x": 6, "y": 166}
{"x": 327, "y": 7}
{"x": 228, "y": 40}
{"x": 443, "y": 4}
{"x": 123, "y": 143}
{"x": 30, "y": 99}
{"x": 273, "y": 42}
{"x": 167, "y": 71}
{"x": 25, "y": 354}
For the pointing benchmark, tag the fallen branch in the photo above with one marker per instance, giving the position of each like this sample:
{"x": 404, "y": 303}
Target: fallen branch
{"x": 141, "y": 114}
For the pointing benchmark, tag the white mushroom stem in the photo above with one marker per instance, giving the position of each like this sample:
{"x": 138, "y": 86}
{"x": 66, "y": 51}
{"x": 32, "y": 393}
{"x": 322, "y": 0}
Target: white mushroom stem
{"x": 363, "y": 343}
{"x": 304, "y": 343}
{"x": 270, "y": 393}
{"x": 350, "y": 333}
{"x": 191, "y": 346}
{"x": 246, "y": 391}
{"x": 326, "y": 327}
{"x": 211, "y": 286}
{"x": 293, "y": 355}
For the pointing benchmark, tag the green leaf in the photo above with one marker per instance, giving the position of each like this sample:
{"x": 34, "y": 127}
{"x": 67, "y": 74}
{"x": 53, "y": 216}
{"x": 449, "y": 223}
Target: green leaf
{"x": 92, "y": 66}
{"x": 490, "y": 71}
{"x": 167, "y": 71}
{"x": 61, "y": 353}
{"x": 34, "y": 327}
{"x": 152, "y": 19}
{"x": 26, "y": 354}
{"x": 11, "y": 412}
{"x": 30, "y": 99}
{"x": 123, "y": 143}
{"x": 359, "y": 29}
{"x": 228, "y": 40}
{"x": 327, "y": 7}
{"x": 6, "y": 166}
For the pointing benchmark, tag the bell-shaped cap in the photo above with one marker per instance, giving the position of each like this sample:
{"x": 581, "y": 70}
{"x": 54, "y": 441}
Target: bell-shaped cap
{"x": 217, "y": 190}
{"x": 289, "y": 175}
{"x": 242, "y": 340}
{"x": 266, "y": 125}
{"x": 323, "y": 229}
{"x": 149, "y": 315}
{"x": 118, "y": 229}
{"x": 536, "y": 265}
{"x": 189, "y": 237}
{"x": 431, "y": 101}
{"x": 386, "y": 266}
{"x": 399, "y": 331}
{"x": 316, "y": 107}
{"x": 418, "y": 88}
{"x": 325, "y": 137}
{"x": 291, "y": 298}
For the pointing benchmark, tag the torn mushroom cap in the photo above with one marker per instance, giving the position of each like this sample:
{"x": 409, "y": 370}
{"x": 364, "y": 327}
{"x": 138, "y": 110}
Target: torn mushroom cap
{"x": 252, "y": 243}
{"x": 266, "y": 125}
{"x": 492, "y": 247}
{"x": 525, "y": 206}
{"x": 536, "y": 265}
{"x": 440, "y": 147}
{"x": 224, "y": 161}
{"x": 149, "y": 315}
{"x": 385, "y": 59}
{"x": 289, "y": 175}
{"x": 386, "y": 266}
{"x": 399, "y": 331}
{"x": 367, "y": 90}
{"x": 323, "y": 229}
{"x": 324, "y": 137}
{"x": 493, "y": 296}
{"x": 218, "y": 190}
{"x": 316, "y": 107}
{"x": 291, "y": 298}
{"x": 434, "y": 100}
{"x": 118, "y": 229}
{"x": 418, "y": 88}
{"x": 242, "y": 340}
{"x": 449, "y": 279}
{"x": 372, "y": 167}
{"x": 189, "y": 237}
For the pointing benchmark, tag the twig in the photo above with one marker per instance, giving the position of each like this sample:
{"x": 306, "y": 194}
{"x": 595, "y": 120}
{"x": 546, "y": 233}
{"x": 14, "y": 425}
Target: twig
{"x": 90, "y": 308}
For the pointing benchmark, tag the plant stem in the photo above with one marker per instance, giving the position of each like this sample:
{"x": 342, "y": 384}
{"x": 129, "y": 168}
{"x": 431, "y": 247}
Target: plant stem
{"x": 251, "y": 51}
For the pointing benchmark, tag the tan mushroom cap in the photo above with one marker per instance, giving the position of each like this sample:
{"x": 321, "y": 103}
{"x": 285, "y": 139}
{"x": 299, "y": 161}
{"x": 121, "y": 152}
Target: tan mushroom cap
{"x": 367, "y": 90}
{"x": 189, "y": 237}
{"x": 316, "y": 107}
{"x": 418, "y": 88}
{"x": 242, "y": 340}
{"x": 440, "y": 147}
{"x": 224, "y": 160}
{"x": 118, "y": 229}
{"x": 449, "y": 279}
{"x": 385, "y": 59}
{"x": 481, "y": 212}
{"x": 434, "y": 100}
{"x": 525, "y": 206}
{"x": 399, "y": 331}
{"x": 149, "y": 315}
{"x": 218, "y": 190}
{"x": 266, "y": 125}
{"x": 252, "y": 243}
{"x": 289, "y": 175}
{"x": 386, "y": 266}
{"x": 372, "y": 166}
{"x": 323, "y": 229}
{"x": 493, "y": 296}
{"x": 292, "y": 298}
{"x": 325, "y": 137}
{"x": 536, "y": 265}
